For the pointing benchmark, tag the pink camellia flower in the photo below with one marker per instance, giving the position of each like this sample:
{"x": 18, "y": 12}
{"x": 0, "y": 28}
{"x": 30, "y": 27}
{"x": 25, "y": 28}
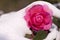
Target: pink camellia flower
{"x": 39, "y": 17}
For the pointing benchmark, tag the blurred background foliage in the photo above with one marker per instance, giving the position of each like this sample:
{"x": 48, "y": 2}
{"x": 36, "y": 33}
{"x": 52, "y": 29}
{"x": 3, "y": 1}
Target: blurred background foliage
{"x": 15, "y": 5}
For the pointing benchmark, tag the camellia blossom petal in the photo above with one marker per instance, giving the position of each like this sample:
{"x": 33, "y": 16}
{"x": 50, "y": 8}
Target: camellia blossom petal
{"x": 39, "y": 18}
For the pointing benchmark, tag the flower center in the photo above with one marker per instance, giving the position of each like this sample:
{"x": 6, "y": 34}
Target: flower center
{"x": 39, "y": 18}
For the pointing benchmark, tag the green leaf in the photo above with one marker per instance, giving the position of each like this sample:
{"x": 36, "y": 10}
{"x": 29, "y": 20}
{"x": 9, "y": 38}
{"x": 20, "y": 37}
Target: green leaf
{"x": 56, "y": 21}
{"x": 40, "y": 35}
{"x": 29, "y": 36}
